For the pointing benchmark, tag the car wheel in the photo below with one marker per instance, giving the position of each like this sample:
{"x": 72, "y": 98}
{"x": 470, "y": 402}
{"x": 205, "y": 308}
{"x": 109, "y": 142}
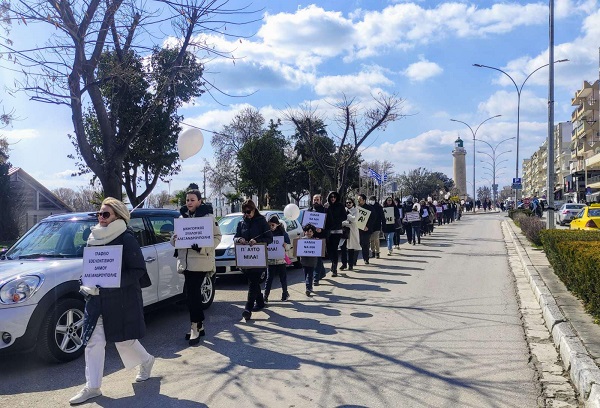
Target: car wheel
{"x": 208, "y": 291}
{"x": 59, "y": 339}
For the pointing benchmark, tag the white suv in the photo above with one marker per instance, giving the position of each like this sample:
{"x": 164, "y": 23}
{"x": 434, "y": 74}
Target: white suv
{"x": 40, "y": 305}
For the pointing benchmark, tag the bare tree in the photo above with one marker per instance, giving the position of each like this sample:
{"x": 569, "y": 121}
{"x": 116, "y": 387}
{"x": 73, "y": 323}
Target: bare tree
{"x": 64, "y": 71}
{"x": 81, "y": 200}
{"x": 159, "y": 200}
{"x": 356, "y": 124}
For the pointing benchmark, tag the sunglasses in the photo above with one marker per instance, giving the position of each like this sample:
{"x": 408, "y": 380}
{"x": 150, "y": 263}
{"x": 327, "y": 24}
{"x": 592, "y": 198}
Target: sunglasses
{"x": 105, "y": 214}
{"x": 248, "y": 212}
{"x": 349, "y": 202}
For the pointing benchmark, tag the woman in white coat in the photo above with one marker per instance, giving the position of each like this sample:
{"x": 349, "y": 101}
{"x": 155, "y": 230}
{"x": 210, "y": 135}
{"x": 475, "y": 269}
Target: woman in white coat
{"x": 353, "y": 241}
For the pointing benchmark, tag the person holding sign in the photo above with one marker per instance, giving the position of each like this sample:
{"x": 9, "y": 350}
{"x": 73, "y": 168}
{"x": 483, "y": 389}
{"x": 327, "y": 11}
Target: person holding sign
{"x": 117, "y": 313}
{"x": 196, "y": 264}
{"x": 277, "y": 266}
{"x": 391, "y": 214}
{"x": 320, "y": 233}
{"x": 352, "y": 244}
{"x": 309, "y": 262}
{"x": 336, "y": 214}
{"x": 365, "y": 233}
{"x": 413, "y": 218}
{"x": 253, "y": 229}
{"x": 377, "y": 220}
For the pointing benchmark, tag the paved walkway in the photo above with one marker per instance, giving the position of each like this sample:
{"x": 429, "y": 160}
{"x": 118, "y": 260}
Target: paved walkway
{"x": 574, "y": 333}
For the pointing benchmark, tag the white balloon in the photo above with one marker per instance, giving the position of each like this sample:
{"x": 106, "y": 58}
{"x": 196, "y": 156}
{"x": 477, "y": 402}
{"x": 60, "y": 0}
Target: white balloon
{"x": 434, "y": 202}
{"x": 189, "y": 143}
{"x": 291, "y": 211}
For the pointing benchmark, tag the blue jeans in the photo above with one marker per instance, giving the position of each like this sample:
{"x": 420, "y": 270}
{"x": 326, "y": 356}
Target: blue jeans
{"x": 319, "y": 270}
{"x": 416, "y": 232}
{"x": 389, "y": 237}
{"x": 309, "y": 272}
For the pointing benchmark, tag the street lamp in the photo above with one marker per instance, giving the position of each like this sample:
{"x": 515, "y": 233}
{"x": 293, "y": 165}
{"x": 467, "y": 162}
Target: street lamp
{"x": 519, "y": 89}
{"x": 495, "y": 157}
{"x": 474, "y": 133}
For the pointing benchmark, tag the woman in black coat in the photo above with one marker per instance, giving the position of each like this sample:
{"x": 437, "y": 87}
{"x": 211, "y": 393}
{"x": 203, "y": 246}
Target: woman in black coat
{"x": 253, "y": 229}
{"x": 336, "y": 214}
{"x": 389, "y": 228}
{"x": 115, "y": 314}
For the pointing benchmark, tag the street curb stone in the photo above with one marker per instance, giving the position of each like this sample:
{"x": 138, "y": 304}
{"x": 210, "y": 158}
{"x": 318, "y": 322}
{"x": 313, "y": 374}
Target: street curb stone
{"x": 582, "y": 368}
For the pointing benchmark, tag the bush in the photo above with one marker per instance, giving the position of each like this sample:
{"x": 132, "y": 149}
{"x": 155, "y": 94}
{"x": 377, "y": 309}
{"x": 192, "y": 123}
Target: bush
{"x": 582, "y": 271}
{"x": 531, "y": 227}
{"x": 560, "y": 260}
{"x": 516, "y": 213}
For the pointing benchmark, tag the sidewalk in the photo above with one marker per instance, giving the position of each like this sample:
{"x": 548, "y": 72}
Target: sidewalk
{"x": 575, "y": 335}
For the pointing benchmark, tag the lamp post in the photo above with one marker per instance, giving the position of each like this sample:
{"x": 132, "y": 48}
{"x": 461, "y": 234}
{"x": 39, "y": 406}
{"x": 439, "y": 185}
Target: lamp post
{"x": 519, "y": 89}
{"x": 474, "y": 133}
{"x": 495, "y": 156}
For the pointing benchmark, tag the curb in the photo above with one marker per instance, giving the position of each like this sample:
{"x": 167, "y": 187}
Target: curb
{"x": 583, "y": 371}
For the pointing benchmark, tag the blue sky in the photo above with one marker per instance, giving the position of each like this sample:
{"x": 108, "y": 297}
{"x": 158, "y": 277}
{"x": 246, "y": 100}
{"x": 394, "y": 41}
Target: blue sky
{"x": 422, "y": 51}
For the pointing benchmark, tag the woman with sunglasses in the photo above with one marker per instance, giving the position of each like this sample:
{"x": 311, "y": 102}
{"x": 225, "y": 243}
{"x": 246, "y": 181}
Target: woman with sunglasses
{"x": 253, "y": 229}
{"x": 115, "y": 314}
{"x": 196, "y": 264}
{"x": 352, "y": 244}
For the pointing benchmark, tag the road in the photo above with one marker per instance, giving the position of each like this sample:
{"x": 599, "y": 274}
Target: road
{"x": 434, "y": 325}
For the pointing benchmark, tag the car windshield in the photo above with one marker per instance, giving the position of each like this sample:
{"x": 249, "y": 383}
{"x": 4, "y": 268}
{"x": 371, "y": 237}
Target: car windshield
{"x": 574, "y": 206}
{"x": 53, "y": 239}
{"x": 229, "y": 223}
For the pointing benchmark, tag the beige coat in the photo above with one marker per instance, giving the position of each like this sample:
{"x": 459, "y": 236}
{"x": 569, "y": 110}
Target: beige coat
{"x": 203, "y": 261}
{"x": 354, "y": 240}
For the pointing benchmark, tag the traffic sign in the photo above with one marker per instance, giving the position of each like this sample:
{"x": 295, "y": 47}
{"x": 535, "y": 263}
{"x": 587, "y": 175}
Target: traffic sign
{"x": 517, "y": 186}
{"x": 516, "y": 180}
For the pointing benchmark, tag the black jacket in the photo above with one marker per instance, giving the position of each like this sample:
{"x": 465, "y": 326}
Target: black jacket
{"x": 377, "y": 216}
{"x": 256, "y": 228}
{"x": 391, "y": 227}
{"x": 122, "y": 309}
{"x": 336, "y": 213}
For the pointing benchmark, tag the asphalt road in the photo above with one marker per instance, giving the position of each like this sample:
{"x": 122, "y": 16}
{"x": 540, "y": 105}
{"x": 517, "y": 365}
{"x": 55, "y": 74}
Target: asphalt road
{"x": 434, "y": 325}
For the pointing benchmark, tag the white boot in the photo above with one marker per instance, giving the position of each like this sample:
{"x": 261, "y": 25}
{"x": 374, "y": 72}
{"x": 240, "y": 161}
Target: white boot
{"x": 195, "y": 333}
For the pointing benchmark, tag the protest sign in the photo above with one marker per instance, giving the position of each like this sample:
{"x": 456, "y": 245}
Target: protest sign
{"x": 102, "y": 266}
{"x": 276, "y": 249}
{"x": 314, "y": 218}
{"x": 425, "y": 213}
{"x": 247, "y": 256}
{"x": 309, "y": 247}
{"x": 413, "y": 216}
{"x": 192, "y": 231}
{"x": 439, "y": 209}
{"x": 389, "y": 214}
{"x": 362, "y": 217}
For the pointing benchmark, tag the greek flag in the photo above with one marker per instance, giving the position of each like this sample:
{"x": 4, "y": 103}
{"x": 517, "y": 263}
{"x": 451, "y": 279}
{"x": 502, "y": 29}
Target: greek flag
{"x": 385, "y": 179}
{"x": 375, "y": 175}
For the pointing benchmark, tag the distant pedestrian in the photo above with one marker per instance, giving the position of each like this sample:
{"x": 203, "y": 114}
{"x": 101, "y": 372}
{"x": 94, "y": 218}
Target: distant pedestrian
{"x": 336, "y": 214}
{"x": 352, "y": 244}
{"x": 115, "y": 314}
{"x": 309, "y": 262}
{"x": 389, "y": 226}
{"x": 377, "y": 219}
{"x": 365, "y": 234}
{"x": 321, "y": 233}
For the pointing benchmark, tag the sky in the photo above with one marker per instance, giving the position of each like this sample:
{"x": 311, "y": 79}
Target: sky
{"x": 315, "y": 53}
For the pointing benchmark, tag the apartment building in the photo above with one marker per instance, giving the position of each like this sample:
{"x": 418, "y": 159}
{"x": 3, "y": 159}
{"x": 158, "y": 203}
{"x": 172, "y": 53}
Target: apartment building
{"x": 585, "y": 144}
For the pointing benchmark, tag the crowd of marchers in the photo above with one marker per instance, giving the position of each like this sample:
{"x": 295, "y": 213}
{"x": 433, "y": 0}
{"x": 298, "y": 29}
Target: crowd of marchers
{"x": 352, "y": 228}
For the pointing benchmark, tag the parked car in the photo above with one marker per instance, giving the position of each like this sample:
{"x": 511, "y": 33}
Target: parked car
{"x": 566, "y": 212}
{"x": 225, "y": 252}
{"x": 588, "y": 219}
{"x": 40, "y": 305}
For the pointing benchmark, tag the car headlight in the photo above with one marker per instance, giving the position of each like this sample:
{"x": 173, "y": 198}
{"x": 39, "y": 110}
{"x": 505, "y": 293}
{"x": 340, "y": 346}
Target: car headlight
{"x": 19, "y": 289}
{"x": 230, "y": 251}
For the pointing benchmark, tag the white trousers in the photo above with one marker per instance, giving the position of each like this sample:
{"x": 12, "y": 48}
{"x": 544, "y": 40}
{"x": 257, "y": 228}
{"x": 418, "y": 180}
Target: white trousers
{"x": 131, "y": 351}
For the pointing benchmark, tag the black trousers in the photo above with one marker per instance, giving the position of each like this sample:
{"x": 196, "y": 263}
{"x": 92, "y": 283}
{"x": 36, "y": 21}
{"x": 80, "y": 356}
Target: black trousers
{"x": 365, "y": 241}
{"x": 333, "y": 241}
{"x": 254, "y": 293}
{"x": 408, "y": 229}
{"x": 193, "y": 293}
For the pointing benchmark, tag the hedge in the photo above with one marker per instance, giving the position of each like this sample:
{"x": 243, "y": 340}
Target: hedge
{"x": 575, "y": 257}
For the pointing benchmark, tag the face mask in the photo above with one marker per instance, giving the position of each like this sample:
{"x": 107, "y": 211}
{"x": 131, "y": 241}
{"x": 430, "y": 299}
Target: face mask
{"x": 371, "y": 202}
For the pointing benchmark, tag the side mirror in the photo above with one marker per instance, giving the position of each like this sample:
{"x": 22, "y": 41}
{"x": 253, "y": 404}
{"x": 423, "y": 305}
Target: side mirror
{"x": 3, "y": 252}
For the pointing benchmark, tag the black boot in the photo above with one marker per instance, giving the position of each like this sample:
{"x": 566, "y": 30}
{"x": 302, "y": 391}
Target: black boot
{"x": 334, "y": 269}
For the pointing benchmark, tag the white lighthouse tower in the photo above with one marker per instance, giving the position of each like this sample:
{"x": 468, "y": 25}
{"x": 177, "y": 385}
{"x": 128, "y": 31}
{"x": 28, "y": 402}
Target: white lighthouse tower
{"x": 460, "y": 168}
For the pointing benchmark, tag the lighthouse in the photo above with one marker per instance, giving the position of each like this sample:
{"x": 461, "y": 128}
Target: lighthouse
{"x": 460, "y": 168}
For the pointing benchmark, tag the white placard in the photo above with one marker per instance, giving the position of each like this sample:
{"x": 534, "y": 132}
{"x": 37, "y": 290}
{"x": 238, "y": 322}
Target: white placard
{"x": 362, "y": 217}
{"x": 389, "y": 214}
{"x": 276, "y": 249}
{"x": 425, "y": 213}
{"x": 413, "y": 216}
{"x": 192, "y": 231}
{"x": 309, "y": 247}
{"x": 102, "y": 266}
{"x": 444, "y": 207}
{"x": 254, "y": 256}
{"x": 315, "y": 218}
{"x": 439, "y": 209}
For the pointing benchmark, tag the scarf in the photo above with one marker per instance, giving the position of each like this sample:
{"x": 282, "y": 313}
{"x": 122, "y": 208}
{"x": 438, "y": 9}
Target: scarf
{"x": 103, "y": 235}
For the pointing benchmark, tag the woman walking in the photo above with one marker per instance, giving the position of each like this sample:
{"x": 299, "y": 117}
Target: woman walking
{"x": 352, "y": 244}
{"x": 196, "y": 264}
{"x": 336, "y": 213}
{"x": 251, "y": 230}
{"x": 115, "y": 314}
{"x": 389, "y": 228}
{"x": 277, "y": 266}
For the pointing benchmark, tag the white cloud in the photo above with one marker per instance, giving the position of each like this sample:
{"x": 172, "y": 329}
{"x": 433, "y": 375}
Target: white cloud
{"x": 362, "y": 84}
{"x": 422, "y": 70}
{"x": 15, "y": 136}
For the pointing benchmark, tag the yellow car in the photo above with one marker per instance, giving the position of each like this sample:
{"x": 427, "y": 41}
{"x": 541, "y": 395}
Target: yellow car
{"x": 587, "y": 219}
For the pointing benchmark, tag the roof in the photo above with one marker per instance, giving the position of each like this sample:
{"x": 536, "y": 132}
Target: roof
{"x": 38, "y": 186}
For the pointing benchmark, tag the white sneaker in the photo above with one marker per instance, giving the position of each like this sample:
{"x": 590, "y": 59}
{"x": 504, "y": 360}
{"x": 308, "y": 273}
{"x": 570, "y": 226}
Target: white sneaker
{"x": 145, "y": 370}
{"x": 84, "y": 395}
